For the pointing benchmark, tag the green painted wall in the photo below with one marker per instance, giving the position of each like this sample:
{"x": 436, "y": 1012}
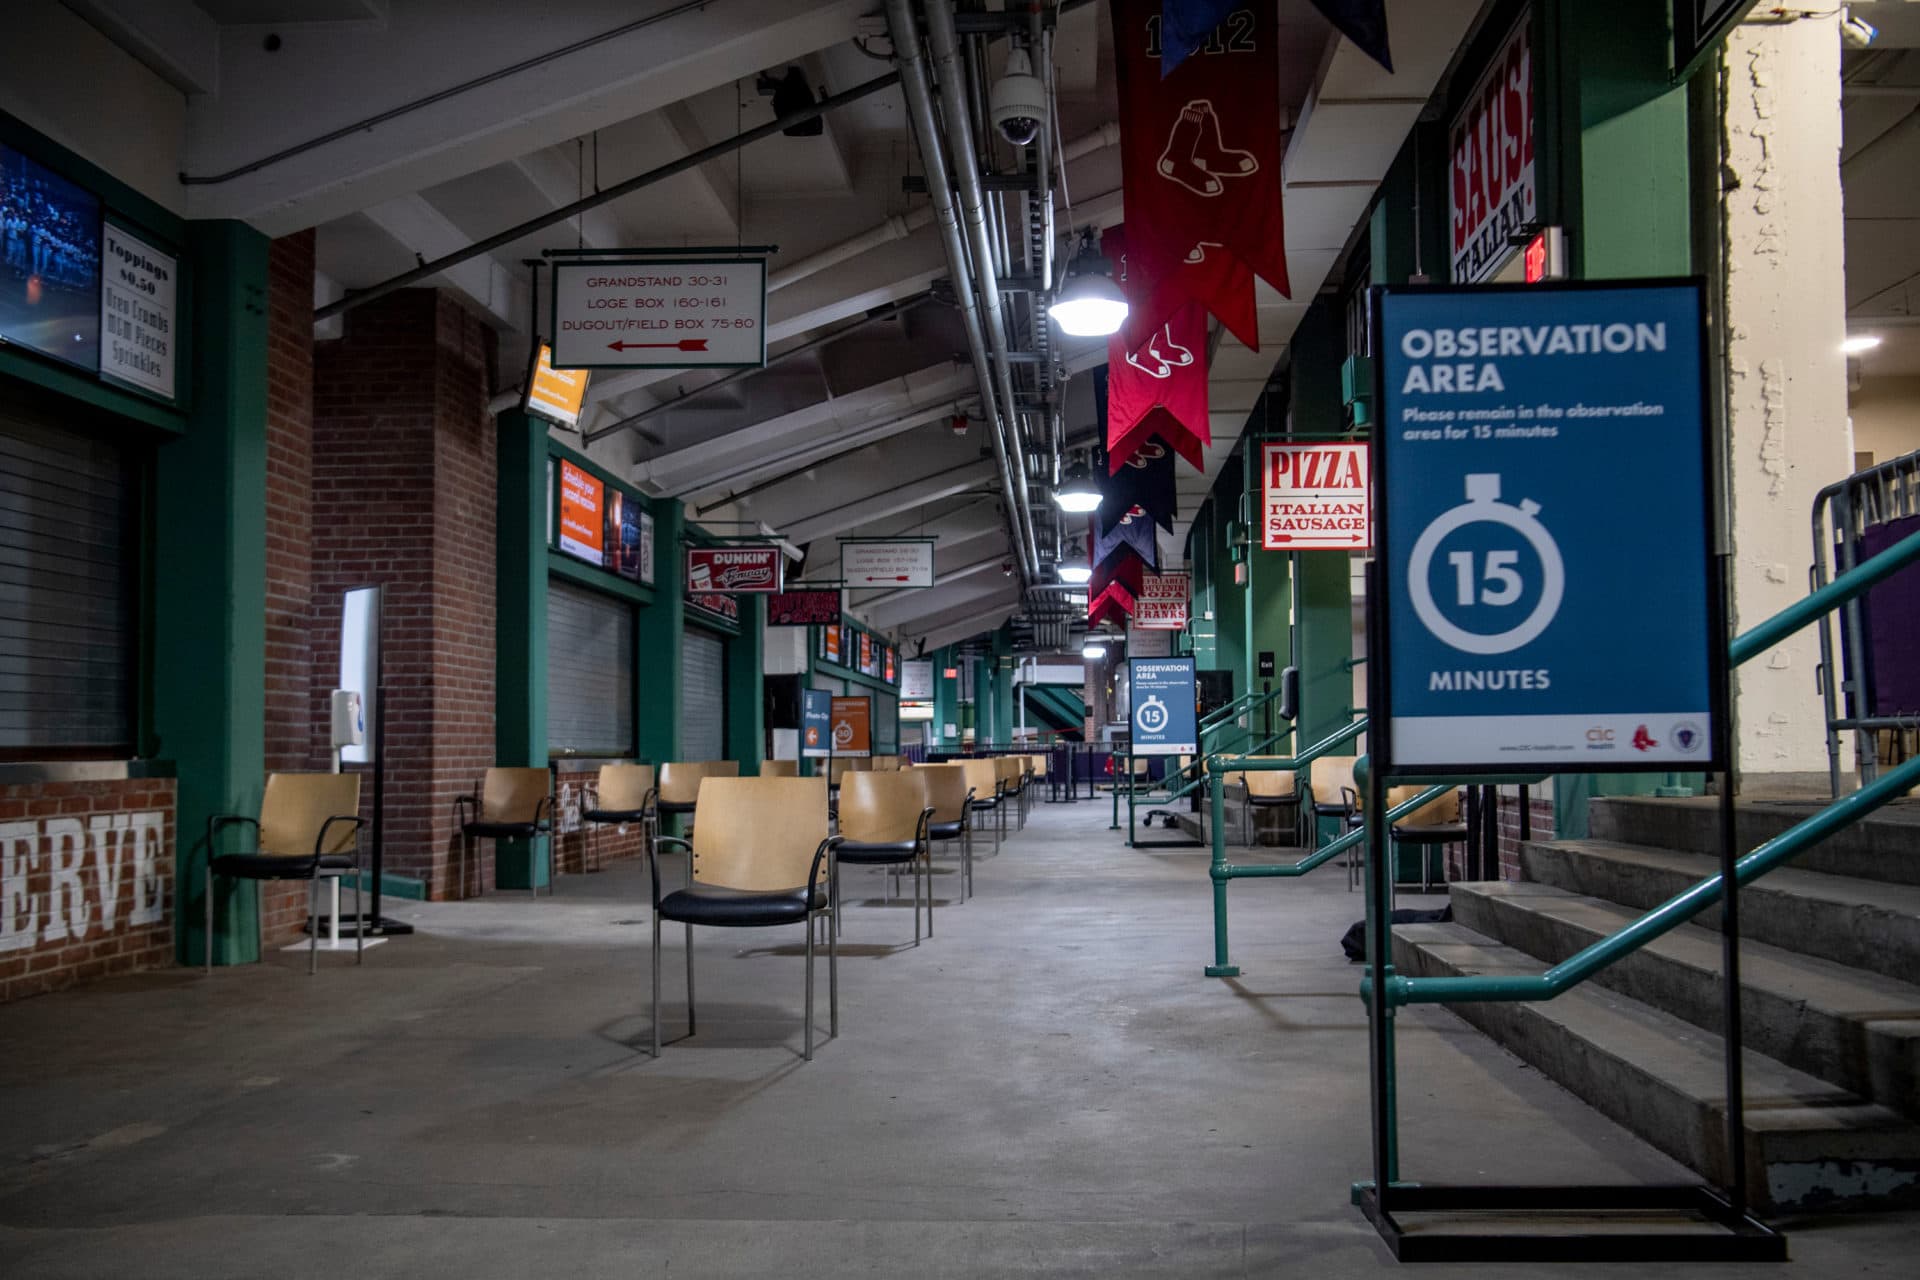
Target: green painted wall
{"x": 520, "y": 622}
{"x": 660, "y": 632}
{"x": 946, "y": 697}
{"x": 746, "y": 701}
{"x": 209, "y": 621}
{"x": 1325, "y": 613}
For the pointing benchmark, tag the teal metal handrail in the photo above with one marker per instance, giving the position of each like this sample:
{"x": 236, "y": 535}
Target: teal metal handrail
{"x": 1221, "y": 720}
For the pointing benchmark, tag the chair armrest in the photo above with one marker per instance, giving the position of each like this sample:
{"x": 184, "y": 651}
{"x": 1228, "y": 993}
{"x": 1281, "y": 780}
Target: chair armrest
{"x": 826, "y": 849}
{"x": 1351, "y": 799}
{"x": 320, "y": 841}
{"x": 653, "y": 863}
{"x": 461, "y": 806}
{"x": 922, "y": 838}
{"x": 219, "y": 821}
{"x": 544, "y": 807}
{"x": 679, "y": 840}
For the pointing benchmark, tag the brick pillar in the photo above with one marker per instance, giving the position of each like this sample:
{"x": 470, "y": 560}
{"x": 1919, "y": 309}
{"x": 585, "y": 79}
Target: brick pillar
{"x": 403, "y": 497}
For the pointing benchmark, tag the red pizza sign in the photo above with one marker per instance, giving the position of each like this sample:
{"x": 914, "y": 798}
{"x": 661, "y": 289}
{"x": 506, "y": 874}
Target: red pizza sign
{"x": 1162, "y": 603}
{"x": 734, "y": 570}
{"x": 1315, "y": 497}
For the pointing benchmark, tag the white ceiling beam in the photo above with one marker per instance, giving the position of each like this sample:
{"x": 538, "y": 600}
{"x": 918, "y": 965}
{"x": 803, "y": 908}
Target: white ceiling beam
{"x": 967, "y": 621}
{"x": 904, "y": 497}
{"x": 175, "y": 39}
{"x": 962, "y": 584}
{"x": 713, "y": 178}
{"x": 421, "y": 229}
{"x": 556, "y": 176}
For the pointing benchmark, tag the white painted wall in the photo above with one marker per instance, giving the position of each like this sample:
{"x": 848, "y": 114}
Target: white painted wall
{"x": 1886, "y": 417}
{"x": 1787, "y": 376}
{"x": 66, "y": 80}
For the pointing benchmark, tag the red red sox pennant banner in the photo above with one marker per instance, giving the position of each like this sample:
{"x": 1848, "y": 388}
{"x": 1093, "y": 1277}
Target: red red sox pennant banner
{"x": 1113, "y": 604}
{"x": 1200, "y": 163}
{"x": 1166, "y": 372}
{"x": 1155, "y": 427}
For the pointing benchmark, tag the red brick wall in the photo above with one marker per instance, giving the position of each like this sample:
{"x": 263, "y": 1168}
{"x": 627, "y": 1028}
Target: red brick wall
{"x": 608, "y": 844}
{"x": 290, "y": 739}
{"x": 51, "y": 940}
{"x": 404, "y": 496}
{"x": 1540, "y": 801}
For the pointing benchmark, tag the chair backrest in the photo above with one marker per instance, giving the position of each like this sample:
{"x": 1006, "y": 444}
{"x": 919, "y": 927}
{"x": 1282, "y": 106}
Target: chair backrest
{"x": 779, "y": 768}
{"x": 680, "y": 779}
{"x": 1008, "y": 769}
{"x": 1139, "y": 766}
{"x": 1264, "y": 782}
{"x": 297, "y": 805}
{"x": 886, "y": 764}
{"x": 946, "y": 787}
{"x": 844, "y": 765}
{"x": 623, "y": 788}
{"x": 982, "y": 776}
{"x": 1326, "y": 775}
{"x": 758, "y": 833}
{"x": 1040, "y": 764}
{"x": 881, "y": 808}
{"x": 1443, "y": 810}
{"x": 513, "y": 795}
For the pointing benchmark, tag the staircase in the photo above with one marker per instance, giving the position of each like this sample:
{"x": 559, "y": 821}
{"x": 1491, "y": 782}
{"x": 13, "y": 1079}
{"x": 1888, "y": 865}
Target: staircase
{"x": 1831, "y": 1014}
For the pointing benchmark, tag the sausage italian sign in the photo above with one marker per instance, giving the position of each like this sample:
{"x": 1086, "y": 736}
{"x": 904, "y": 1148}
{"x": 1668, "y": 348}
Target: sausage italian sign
{"x": 1545, "y": 531}
{"x": 1491, "y": 174}
{"x": 676, "y": 314}
{"x": 1315, "y": 497}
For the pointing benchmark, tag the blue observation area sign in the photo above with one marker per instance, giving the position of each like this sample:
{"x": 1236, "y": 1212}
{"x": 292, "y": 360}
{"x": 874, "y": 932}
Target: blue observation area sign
{"x": 1545, "y": 532}
{"x": 1164, "y": 701}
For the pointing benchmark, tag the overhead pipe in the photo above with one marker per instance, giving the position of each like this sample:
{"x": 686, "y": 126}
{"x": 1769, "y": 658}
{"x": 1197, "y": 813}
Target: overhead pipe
{"x": 912, "y": 75}
{"x": 1042, "y": 44}
{"x": 946, "y": 56}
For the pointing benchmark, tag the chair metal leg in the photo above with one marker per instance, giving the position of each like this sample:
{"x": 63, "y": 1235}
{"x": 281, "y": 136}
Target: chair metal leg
{"x": 656, "y": 984}
{"x": 359, "y": 919}
{"x": 927, "y": 859}
{"x": 966, "y": 858}
{"x": 808, "y": 1054}
{"x": 207, "y": 937}
{"x": 313, "y": 922}
{"x": 916, "y": 899}
{"x": 833, "y": 897}
{"x": 689, "y": 979}
{"x": 833, "y": 980}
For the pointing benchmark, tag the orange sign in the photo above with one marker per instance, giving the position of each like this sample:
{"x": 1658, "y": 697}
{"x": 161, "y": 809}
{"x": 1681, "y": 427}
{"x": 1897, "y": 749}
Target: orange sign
{"x": 832, "y": 642}
{"x": 852, "y": 726}
{"x": 555, "y": 394}
{"x": 581, "y": 498}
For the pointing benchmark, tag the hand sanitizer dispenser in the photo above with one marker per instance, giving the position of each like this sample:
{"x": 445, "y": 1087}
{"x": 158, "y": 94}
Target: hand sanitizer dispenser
{"x": 349, "y": 722}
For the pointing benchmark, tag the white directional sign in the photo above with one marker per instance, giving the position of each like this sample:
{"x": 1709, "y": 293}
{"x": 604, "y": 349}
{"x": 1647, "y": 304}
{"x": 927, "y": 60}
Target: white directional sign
{"x": 1315, "y": 497}
{"x": 881, "y": 563}
{"x": 637, "y": 314}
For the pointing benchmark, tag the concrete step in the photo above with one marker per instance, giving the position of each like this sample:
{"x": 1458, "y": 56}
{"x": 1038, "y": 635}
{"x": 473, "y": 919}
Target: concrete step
{"x": 1855, "y": 1029}
{"x": 1884, "y": 846}
{"x": 1862, "y": 924}
{"x": 1810, "y": 1145}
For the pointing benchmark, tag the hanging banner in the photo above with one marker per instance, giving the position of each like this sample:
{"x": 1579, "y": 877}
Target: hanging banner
{"x": 1142, "y": 482}
{"x": 554, "y": 394}
{"x": 677, "y": 313}
{"x": 877, "y": 562}
{"x": 1491, "y": 182}
{"x": 852, "y": 726}
{"x": 582, "y": 527}
{"x": 1200, "y": 165}
{"x": 1163, "y": 602}
{"x": 736, "y": 568}
{"x": 1533, "y": 439}
{"x": 1165, "y": 372}
{"x": 816, "y": 724}
{"x": 804, "y": 608}
{"x": 724, "y": 607}
{"x": 916, "y": 681}
{"x": 138, "y": 288}
{"x": 1165, "y": 706}
{"x": 1133, "y": 534}
{"x": 1114, "y": 589}
{"x": 1314, "y": 497}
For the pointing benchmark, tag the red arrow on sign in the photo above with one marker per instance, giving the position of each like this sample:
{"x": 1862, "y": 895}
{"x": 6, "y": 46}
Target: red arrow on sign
{"x": 685, "y": 344}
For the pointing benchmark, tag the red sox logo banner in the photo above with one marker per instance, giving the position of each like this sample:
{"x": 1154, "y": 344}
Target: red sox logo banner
{"x": 1131, "y": 534}
{"x": 1200, "y": 166}
{"x": 1158, "y": 386}
{"x": 1144, "y": 481}
{"x": 1115, "y": 588}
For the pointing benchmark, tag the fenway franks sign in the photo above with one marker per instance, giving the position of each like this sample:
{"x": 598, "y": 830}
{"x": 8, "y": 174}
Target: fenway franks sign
{"x": 1162, "y": 605}
{"x": 733, "y": 570}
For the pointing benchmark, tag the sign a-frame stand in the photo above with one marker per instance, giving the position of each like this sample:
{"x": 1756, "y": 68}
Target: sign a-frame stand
{"x": 1510, "y": 633}
{"x": 1163, "y": 709}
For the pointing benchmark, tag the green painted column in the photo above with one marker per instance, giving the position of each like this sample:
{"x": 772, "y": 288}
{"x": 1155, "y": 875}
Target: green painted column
{"x": 983, "y": 725}
{"x": 662, "y": 629}
{"x": 1203, "y": 627}
{"x": 946, "y": 698}
{"x": 1002, "y": 667}
{"x": 746, "y": 700}
{"x": 210, "y": 609}
{"x": 1325, "y": 604}
{"x": 1229, "y": 596}
{"x": 520, "y": 623}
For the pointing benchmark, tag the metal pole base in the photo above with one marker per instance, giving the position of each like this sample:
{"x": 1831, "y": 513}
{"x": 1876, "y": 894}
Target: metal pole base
{"x": 1223, "y": 971}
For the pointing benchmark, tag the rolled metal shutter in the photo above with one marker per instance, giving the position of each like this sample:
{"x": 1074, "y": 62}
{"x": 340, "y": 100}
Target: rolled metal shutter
{"x": 67, "y": 640}
{"x": 886, "y": 724}
{"x": 703, "y": 696}
{"x": 590, "y": 660}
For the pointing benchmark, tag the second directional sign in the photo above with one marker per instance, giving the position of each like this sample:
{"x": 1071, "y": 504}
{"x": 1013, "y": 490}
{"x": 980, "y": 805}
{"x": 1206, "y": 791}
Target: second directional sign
{"x": 903, "y": 562}
{"x": 653, "y": 314}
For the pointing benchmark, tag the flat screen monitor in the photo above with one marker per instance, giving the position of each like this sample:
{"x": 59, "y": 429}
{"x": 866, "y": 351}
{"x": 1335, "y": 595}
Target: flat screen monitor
{"x": 49, "y": 262}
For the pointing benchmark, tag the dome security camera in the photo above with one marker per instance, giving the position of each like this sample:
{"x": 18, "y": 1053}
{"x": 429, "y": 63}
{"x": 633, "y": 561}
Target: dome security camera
{"x": 1018, "y": 102}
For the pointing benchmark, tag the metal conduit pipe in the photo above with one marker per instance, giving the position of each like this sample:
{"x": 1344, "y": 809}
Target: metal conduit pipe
{"x": 944, "y": 44}
{"x": 913, "y": 83}
{"x": 1042, "y": 55}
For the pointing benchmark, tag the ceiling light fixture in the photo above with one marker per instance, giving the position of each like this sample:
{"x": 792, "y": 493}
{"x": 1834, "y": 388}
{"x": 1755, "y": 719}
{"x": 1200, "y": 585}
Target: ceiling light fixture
{"x": 1078, "y": 494}
{"x": 1075, "y": 574}
{"x": 1859, "y": 342}
{"x": 1089, "y": 304}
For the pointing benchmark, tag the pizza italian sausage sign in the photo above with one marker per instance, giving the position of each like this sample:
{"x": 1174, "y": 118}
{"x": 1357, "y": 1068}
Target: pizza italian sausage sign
{"x": 1315, "y": 497}
{"x": 640, "y": 314}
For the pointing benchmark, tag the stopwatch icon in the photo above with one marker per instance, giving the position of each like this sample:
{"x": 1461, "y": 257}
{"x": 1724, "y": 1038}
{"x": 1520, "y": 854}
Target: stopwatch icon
{"x": 1152, "y": 715}
{"x": 1483, "y": 505}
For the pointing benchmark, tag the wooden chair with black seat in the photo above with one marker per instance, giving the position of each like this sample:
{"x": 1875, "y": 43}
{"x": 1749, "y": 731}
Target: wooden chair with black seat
{"x": 761, "y": 856}
{"x": 1011, "y": 771}
{"x": 1331, "y": 794}
{"x": 308, "y": 829}
{"x": 509, "y": 804}
{"x": 779, "y": 768}
{"x": 620, "y": 798}
{"x": 950, "y": 796}
{"x": 884, "y": 820}
{"x": 677, "y": 791}
{"x": 1266, "y": 789}
{"x": 983, "y": 779}
{"x": 1435, "y": 824}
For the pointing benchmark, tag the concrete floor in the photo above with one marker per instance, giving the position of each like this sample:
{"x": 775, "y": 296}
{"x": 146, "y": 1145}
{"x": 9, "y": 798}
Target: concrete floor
{"x": 1047, "y": 1087}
